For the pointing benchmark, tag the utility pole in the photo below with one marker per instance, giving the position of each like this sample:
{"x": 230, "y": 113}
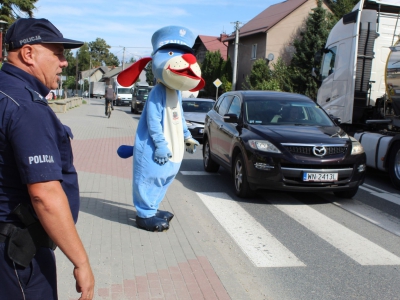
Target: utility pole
{"x": 76, "y": 75}
{"x": 235, "y": 54}
{"x": 123, "y": 59}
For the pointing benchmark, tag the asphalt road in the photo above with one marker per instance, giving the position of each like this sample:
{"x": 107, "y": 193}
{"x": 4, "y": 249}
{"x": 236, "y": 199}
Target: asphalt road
{"x": 298, "y": 245}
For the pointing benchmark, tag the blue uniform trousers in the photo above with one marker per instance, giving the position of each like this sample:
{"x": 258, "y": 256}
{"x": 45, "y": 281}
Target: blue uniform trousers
{"x": 36, "y": 282}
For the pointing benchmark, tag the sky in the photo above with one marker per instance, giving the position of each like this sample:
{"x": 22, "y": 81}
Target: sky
{"x": 131, "y": 23}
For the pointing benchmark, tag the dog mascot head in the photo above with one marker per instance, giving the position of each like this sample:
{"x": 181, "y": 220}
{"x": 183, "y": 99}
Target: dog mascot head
{"x": 174, "y": 64}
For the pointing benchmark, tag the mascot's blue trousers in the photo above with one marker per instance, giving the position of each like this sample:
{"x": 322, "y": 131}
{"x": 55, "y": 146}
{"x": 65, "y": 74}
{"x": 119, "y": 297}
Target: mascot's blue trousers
{"x": 151, "y": 184}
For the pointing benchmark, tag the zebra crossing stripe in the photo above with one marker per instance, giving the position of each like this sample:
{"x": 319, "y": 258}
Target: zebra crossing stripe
{"x": 352, "y": 244}
{"x": 372, "y": 215}
{"x": 260, "y": 246}
{"x": 394, "y": 198}
{"x": 197, "y": 173}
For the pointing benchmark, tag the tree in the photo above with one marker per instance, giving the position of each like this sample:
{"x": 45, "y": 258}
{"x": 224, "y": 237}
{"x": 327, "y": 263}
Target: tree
{"x": 312, "y": 39}
{"x": 83, "y": 55}
{"x": 259, "y": 76}
{"x": 69, "y": 83}
{"x": 263, "y": 78}
{"x": 341, "y": 7}
{"x": 10, "y": 10}
{"x": 226, "y": 76}
{"x": 214, "y": 67}
{"x": 101, "y": 55}
{"x": 70, "y": 70}
{"x": 149, "y": 73}
{"x": 111, "y": 60}
{"x": 282, "y": 74}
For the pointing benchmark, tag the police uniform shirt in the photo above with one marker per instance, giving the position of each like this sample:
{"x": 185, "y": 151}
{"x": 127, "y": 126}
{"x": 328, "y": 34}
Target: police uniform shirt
{"x": 34, "y": 145}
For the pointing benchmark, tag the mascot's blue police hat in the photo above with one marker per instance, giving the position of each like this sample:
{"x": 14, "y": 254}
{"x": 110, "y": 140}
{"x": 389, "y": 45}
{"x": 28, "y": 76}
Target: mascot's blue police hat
{"x": 175, "y": 36}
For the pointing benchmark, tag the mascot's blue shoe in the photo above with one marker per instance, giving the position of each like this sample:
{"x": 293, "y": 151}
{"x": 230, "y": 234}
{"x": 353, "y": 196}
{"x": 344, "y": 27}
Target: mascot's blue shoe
{"x": 163, "y": 214}
{"x": 152, "y": 224}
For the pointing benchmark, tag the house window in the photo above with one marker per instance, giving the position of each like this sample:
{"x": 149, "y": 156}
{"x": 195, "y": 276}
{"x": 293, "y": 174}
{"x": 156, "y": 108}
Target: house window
{"x": 254, "y": 51}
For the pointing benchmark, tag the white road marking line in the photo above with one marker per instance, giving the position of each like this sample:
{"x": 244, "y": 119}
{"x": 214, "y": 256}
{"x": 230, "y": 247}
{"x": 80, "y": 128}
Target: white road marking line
{"x": 352, "y": 244}
{"x": 372, "y": 215}
{"x": 260, "y": 246}
{"x": 394, "y": 198}
{"x": 197, "y": 173}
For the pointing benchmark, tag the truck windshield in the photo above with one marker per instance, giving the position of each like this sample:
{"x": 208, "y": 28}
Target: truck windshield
{"x": 124, "y": 91}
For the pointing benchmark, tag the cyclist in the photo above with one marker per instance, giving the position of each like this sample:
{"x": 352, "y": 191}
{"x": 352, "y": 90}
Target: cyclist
{"x": 110, "y": 96}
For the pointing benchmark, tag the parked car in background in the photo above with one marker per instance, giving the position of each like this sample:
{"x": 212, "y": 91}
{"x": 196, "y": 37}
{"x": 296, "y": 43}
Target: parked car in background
{"x": 194, "y": 111}
{"x": 281, "y": 141}
{"x": 140, "y": 93}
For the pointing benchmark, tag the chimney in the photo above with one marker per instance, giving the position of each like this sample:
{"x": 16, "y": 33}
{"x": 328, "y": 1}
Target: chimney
{"x": 222, "y": 36}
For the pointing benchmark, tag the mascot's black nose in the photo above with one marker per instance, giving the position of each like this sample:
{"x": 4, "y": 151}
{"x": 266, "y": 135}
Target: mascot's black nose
{"x": 190, "y": 58}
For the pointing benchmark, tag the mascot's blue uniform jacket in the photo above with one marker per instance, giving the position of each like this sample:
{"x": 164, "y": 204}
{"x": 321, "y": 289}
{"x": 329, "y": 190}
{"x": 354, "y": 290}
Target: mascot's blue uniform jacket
{"x": 162, "y": 121}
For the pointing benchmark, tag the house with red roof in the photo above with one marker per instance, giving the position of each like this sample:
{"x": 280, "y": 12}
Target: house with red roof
{"x": 206, "y": 43}
{"x": 269, "y": 35}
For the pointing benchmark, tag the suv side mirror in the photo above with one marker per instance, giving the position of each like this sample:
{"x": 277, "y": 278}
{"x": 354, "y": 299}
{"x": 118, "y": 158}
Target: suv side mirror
{"x": 231, "y": 118}
{"x": 335, "y": 119}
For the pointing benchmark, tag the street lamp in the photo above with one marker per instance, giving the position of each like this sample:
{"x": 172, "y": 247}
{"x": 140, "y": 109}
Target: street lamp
{"x": 2, "y": 26}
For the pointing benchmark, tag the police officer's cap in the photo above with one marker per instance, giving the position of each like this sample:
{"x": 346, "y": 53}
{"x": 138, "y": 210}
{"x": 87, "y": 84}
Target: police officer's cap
{"x": 30, "y": 31}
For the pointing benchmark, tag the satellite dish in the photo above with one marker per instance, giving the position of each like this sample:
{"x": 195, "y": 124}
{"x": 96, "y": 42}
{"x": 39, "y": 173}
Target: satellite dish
{"x": 270, "y": 57}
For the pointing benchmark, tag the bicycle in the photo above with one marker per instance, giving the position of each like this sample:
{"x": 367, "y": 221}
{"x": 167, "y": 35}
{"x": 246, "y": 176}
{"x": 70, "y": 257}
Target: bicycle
{"x": 109, "y": 109}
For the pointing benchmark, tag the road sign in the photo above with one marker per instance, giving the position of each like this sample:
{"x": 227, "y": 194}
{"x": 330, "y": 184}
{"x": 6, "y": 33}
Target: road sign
{"x": 217, "y": 82}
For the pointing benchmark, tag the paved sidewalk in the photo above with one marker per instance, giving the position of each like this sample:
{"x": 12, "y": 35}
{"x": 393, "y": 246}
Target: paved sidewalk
{"x": 129, "y": 263}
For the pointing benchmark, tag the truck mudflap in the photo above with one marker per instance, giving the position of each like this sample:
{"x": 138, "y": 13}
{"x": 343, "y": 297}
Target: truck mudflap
{"x": 375, "y": 147}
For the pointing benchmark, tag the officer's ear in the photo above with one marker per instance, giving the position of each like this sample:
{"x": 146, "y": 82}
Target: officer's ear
{"x": 26, "y": 54}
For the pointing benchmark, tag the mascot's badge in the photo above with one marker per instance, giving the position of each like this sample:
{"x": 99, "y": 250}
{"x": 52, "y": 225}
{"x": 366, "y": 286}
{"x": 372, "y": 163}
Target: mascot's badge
{"x": 175, "y": 115}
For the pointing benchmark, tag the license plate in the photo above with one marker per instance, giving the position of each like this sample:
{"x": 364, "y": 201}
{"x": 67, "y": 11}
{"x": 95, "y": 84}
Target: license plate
{"x": 321, "y": 177}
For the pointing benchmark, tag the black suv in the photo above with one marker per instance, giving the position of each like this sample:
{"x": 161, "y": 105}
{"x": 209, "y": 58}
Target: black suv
{"x": 281, "y": 141}
{"x": 139, "y": 98}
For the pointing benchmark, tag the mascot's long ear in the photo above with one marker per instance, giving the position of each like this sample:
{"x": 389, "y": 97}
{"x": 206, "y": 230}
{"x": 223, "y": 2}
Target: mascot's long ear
{"x": 129, "y": 76}
{"x": 201, "y": 84}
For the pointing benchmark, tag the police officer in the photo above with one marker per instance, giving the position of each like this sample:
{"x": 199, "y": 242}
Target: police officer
{"x": 39, "y": 194}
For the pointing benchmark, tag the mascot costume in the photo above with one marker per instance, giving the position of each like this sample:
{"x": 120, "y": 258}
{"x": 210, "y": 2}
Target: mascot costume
{"x": 162, "y": 134}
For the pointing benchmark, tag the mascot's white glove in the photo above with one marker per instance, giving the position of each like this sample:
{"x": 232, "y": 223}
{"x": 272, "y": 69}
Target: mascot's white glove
{"x": 162, "y": 155}
{"x": 191, "y": 144}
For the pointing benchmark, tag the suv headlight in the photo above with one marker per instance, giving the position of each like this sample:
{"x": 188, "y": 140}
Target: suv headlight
{"x": 356, "y": 147}
{"x": 263, "y": 145}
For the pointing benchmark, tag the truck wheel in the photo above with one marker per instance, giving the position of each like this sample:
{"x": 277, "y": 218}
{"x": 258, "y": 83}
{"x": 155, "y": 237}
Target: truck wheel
{"x": 347, "y": 194}
{"x": 209, "y": 164}
{"x": 242, "y": 186}
{"x": 394, "y": 165}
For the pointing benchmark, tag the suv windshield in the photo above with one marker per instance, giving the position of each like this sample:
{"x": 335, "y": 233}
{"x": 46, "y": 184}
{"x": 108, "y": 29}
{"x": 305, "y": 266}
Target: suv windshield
{"x": 272, "y": 112}
{"x": 142, "y": 93}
